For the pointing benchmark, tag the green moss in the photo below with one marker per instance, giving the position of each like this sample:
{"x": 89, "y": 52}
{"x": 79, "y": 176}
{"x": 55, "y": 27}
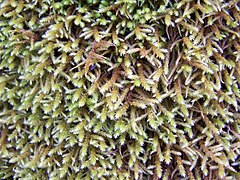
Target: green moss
{"x": 119, "y": 89}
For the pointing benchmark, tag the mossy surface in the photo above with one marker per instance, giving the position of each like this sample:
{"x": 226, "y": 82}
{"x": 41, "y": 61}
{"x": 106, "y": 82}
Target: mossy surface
{"x": 125, "y": 89}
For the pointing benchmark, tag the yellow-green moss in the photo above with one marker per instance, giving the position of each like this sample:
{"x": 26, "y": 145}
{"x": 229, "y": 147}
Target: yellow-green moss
{"x": 125, "y": 89}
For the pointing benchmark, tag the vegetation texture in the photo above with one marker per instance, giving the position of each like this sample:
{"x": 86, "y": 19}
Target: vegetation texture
{"x": 125, "y": 89}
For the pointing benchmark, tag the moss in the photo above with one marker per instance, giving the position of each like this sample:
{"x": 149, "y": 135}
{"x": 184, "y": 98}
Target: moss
{"x": 119, "y": 89}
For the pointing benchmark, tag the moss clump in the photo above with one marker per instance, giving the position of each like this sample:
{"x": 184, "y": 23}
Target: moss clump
{"x": 126, "y": 89}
